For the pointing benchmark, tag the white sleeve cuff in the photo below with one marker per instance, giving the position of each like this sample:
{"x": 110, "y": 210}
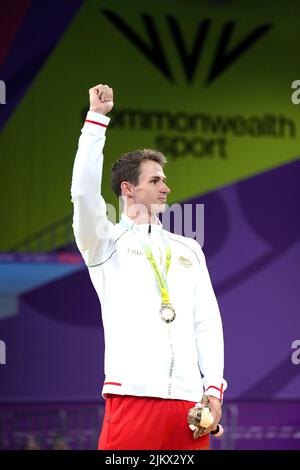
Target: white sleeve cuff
{"x": 95, "y": 123}
{"x": 216, "y": 390}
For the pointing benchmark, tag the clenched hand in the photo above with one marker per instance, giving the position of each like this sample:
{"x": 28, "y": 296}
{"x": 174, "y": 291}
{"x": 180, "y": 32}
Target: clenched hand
{"x": 101, "y": 99}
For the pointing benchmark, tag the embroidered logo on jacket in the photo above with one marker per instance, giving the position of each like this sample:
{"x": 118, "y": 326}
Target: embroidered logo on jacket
{"x": 134, "y": 252}
{"x": 185, "y": 262}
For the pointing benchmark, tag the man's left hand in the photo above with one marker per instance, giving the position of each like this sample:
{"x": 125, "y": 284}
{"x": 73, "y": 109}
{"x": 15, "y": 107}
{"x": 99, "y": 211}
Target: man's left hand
{"x": 216, "y": 411}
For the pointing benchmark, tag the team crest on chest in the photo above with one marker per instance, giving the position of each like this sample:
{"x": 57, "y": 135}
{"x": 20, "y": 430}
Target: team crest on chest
{"x": 185, "y": 262}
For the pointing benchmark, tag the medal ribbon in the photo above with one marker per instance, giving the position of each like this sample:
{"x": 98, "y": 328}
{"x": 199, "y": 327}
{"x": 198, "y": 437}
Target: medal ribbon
{"x": 160, "y": 276}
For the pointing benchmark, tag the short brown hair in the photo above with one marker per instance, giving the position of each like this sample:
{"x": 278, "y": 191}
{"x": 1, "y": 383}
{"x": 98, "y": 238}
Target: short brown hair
{"x": 127, "y": 167}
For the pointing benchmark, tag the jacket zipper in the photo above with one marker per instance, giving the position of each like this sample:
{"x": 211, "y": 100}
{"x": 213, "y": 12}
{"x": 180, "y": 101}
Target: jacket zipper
{"x": 171, "y": 370}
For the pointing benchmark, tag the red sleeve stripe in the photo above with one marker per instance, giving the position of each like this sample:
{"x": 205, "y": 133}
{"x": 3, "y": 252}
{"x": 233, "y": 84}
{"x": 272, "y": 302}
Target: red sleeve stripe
{"x": 112, "y": 383}
{"x": 96, "y": 122}
{"x": 220, "y": 390}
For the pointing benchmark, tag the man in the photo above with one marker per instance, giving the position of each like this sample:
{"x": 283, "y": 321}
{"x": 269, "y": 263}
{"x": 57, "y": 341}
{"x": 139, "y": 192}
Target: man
{"x": 160, "y": 315}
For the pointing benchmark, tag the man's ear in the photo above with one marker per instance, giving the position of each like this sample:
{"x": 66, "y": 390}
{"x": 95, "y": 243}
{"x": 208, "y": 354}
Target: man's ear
{"x": 126, "y": 189}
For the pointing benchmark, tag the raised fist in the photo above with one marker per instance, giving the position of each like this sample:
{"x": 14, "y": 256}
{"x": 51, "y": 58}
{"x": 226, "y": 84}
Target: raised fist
{"x": 101, "y": 99}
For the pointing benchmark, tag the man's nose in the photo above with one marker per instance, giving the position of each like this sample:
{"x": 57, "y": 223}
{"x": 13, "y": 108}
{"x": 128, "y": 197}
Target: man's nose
{"x": 165, "y": 188}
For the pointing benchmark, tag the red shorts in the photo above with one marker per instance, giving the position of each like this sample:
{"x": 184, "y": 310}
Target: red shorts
{"x": 146, "y": 423}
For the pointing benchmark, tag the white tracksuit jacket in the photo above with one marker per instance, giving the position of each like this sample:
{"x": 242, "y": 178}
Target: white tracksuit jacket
{"x": 144, "y": 356}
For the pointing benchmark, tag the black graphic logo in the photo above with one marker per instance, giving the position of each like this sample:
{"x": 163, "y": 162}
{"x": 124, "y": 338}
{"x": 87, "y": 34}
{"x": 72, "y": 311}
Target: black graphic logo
{"x": 154, "y": 50}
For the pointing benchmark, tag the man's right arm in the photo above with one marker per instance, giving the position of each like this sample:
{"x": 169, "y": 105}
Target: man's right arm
{"x": 90, "y": 224}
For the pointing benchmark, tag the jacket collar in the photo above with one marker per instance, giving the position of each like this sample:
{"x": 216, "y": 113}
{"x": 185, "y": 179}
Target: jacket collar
{"x": 141, "y": 228}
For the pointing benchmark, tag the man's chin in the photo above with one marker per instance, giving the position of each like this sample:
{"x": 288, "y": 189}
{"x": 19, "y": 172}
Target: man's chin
{"x": 161, "y": 207}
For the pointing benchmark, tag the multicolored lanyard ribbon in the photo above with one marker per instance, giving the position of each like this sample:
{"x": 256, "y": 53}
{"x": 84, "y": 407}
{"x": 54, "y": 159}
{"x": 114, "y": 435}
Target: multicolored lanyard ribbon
{"x": 167, "y": 311}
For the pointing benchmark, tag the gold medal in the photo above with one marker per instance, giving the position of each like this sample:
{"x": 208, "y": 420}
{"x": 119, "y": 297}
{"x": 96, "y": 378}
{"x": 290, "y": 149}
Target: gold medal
{"x": 167, "y": 313}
